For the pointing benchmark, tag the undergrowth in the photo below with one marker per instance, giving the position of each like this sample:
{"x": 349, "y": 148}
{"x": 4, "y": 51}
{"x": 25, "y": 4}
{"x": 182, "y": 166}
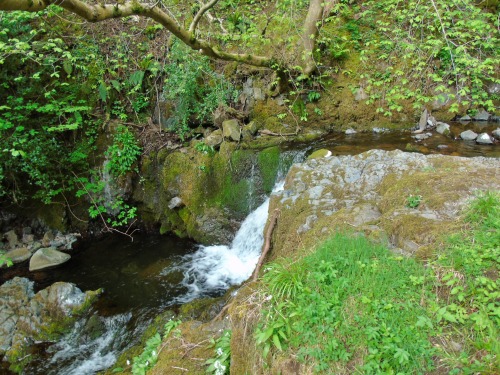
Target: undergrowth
{"x": 354, "y": 307}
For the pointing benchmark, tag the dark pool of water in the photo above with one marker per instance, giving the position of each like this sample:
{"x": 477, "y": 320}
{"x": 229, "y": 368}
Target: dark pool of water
{"x": 129, "y": 272}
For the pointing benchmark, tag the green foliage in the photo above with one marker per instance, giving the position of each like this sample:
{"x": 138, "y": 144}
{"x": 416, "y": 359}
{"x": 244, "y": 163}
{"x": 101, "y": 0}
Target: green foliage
{"x": 123, "y": 153}
{"x": 352, "y": 299}
{"x": 446, "y": 51}
{"x": 149, "y": 356}
{"x": 469, "y": 304}
{"x": 194, "y": 87}
{"x": 5, "y": 261}
{"x": 45, "y": 131}
{"x": 204, "y": 148}
{"x": 413, "y": 201}
{"x": 347, "y": 298}
{"x": 220, "y": 364}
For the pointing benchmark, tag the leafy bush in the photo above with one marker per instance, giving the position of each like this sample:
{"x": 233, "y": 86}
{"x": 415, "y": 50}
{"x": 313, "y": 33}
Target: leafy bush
{"x": 123, "y": 153}
{"x": 445, "y": 50}
{"x": 194, "y": 88}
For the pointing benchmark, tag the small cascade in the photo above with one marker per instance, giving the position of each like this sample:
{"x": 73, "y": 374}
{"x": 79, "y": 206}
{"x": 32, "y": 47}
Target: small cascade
{"x": 82, "y": 353}
{"x": 213, "y": 269}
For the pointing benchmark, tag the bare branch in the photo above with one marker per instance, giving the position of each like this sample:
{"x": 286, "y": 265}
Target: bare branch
{"x": 200, "y": 14}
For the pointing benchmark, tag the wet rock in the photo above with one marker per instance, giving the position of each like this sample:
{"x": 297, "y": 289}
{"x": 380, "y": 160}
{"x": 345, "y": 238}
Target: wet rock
{"x": 443, "y": 128}
{"x": 47, "y": 257}
{"x": 465, "y": 118}
{"x": 431, "y": 122}
{"x": 496, "y": 133}
{"x": 11, "y": 238}
{"x": 350, "y": 131}
{"x": 482, "y": 115}
{"x": 421, "y": 137}
{"x": 214, "y": 139}
{"x": 231, "y": 129}
{"x": 379, "y": 130}
{"x": 26, "y": 317}
{"x": 468, "y": 135}
{"x": 484, "y": 139}
{"x": 175, "y": 202}
{"x": 18, "y": 255}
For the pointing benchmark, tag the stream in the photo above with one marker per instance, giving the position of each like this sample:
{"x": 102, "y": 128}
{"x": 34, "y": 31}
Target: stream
{"x": 152, "y": 274}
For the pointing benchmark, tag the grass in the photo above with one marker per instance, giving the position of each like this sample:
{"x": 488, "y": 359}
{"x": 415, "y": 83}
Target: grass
{"x": 354, "y": 307}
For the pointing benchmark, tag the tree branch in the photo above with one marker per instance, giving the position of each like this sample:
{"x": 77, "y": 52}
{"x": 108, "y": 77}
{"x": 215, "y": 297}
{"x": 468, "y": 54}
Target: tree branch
{"x": 101, "y": 12}
{"x": 200, "y": 14}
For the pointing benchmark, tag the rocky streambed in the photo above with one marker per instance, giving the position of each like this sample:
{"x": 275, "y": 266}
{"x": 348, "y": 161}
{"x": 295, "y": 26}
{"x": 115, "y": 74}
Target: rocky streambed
{"x": 407, "y": 199}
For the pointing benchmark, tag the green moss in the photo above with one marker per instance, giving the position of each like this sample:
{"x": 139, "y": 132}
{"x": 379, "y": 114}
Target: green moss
{"x": 318, "y": 154}
{"x": 269, "y": 160}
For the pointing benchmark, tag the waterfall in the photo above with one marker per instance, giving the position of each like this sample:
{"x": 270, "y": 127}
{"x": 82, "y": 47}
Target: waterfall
{"x": 213, "y": 269}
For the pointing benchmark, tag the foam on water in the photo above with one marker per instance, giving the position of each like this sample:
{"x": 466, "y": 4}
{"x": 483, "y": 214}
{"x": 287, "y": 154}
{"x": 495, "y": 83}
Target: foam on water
{"x": 77, "y": 355}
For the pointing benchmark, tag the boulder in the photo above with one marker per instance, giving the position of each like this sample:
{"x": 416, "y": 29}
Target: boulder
{"x": 350, "y": 131}
{"x": 368, "y": 193}
{"x": 214, "y": 139}
{"x": 465, "y": 118}
{"x": 484, "y": 139}
{"x": 496, "y": 133}
{"x": 231, "y": 130}
{"x": 482, "y": 115}
{"x": 47, "y": 257}
{"x": 26, "y": 317}
{"x": 443, "y": 128}
{"x": 18, "y": 255}
{"x": 468, "y": 135}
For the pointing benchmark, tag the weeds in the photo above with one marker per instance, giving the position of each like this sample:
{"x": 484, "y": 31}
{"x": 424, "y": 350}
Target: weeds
{"x": 353, "y": 305}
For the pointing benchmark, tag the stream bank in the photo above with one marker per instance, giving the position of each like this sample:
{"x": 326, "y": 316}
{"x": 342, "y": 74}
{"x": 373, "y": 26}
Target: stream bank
{"x": 368, "y": 193}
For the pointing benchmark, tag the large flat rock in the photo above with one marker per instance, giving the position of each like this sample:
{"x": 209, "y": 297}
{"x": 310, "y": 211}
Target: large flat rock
{"x": 47, "y": 257}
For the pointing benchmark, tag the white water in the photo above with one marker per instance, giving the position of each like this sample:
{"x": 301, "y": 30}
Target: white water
{"x": 75, "y": 355}
{"x": 215, "y": 268}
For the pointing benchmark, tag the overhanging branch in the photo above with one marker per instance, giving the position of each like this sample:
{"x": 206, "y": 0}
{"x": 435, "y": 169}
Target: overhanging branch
{"x": 101, "y": 12}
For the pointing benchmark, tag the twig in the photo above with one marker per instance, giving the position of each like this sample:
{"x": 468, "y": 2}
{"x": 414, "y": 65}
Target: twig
{"x": 268, "y": 132}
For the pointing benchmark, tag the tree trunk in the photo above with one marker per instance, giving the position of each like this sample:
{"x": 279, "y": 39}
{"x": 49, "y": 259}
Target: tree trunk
{"x": 310, "y": 35}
